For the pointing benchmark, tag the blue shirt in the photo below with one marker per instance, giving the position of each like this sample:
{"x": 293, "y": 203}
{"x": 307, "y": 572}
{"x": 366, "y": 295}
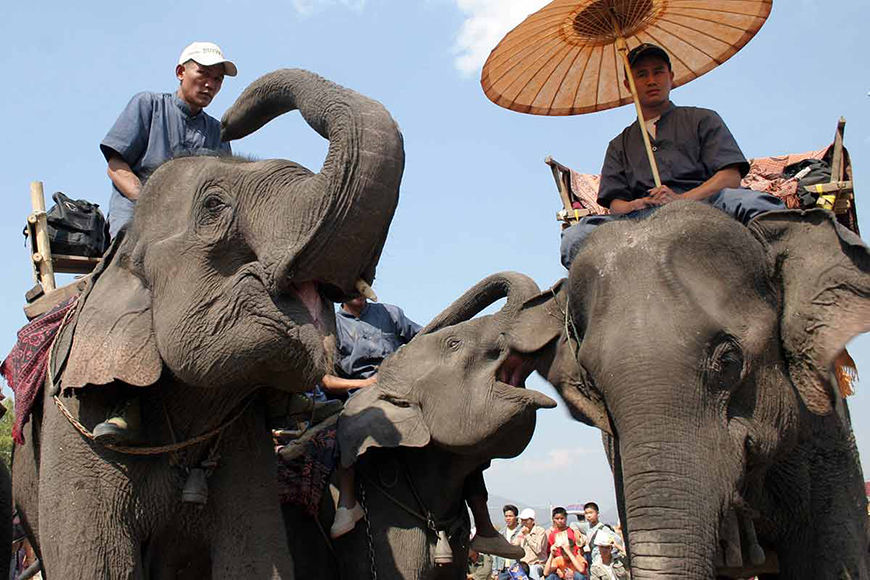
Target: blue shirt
{"x": 152, "y": 129}
{"x": 364, "y": 342}
{"x": 691, "y": 144}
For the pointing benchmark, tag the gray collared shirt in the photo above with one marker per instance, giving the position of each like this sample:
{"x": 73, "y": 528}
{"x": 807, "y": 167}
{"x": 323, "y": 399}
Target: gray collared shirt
{"x": 691, "y": 144}
{"x": 152, "y": 129}
{"x": 364, "y": 342}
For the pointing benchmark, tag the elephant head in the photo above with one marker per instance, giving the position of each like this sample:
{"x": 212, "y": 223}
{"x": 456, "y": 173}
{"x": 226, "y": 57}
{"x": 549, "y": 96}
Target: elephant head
{"x": 457, "y": 384}
{"x": 705, "y": 349}
{"x": 220, "y": 277}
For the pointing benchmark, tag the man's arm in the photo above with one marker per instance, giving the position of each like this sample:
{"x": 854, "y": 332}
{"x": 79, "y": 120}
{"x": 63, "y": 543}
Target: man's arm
{"x": 620, "y": 206}
{"x": 336, "y": 385}
{"x": 727, "y": 177}
{"x": 122, "y": 176}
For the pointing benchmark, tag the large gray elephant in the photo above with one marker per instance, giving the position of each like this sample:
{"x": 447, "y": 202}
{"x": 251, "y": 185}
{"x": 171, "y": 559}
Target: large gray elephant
{"x": 704, "y": 350}
{"x": 217, "y": 289}
{"x": 418, "y": 434}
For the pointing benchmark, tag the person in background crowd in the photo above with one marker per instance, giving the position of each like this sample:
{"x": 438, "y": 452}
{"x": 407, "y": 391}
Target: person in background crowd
{"x": 533, "y": 539}
{"x": 591, "y": 511}
{"x": 608, "y": 568}
{"x": 510, "y": 531}
{"x": 564, "y": 561}
{"x": 479, "y": 565}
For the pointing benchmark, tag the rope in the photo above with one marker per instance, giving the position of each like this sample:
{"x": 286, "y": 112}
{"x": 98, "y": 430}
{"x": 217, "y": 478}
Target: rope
{"x": 443, "y": 524}
{"x": 151, "y": 450}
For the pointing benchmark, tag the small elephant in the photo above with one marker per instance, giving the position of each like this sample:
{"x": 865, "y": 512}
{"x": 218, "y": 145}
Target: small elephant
{"x": 704, "y": 351}
{"x": 444, "y": 405}
{"x": 217, "y": 288}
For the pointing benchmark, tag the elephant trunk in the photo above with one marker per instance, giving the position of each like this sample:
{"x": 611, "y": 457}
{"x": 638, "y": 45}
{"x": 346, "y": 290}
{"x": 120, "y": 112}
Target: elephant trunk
{"x": 339, "y": 218}
{"x": 516, "y": 287}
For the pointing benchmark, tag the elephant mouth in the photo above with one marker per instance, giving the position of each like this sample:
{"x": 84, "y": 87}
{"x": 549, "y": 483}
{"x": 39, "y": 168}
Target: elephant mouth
{"x": 511, "y": 381}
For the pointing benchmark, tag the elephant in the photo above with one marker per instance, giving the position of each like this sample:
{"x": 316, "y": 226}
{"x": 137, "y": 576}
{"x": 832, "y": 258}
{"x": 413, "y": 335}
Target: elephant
{"x": 418, "y": 434}
{"x": 703, "y": 349}
{"x": 216, "y": 293}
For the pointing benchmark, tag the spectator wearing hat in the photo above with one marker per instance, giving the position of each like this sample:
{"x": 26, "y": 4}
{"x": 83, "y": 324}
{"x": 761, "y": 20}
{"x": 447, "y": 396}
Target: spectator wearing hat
{"x": 156, "y": 127}
{"x": 532, "y": 538}
{"x": 152, "y": 129}
{"x": 596, "y": 527}
{"x": 607, "y": 567}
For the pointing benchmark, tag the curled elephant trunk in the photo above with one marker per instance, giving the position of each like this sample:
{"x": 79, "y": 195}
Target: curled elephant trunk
{"x": 516, "y": 287}
{"x": 337, "y": 223}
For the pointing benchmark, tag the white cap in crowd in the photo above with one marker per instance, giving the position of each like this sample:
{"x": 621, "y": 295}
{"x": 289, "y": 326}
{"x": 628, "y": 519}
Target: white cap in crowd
{"x": 207, "y": 54}
{"x": 527, "y": 514}
{"x": 604, "y": 538}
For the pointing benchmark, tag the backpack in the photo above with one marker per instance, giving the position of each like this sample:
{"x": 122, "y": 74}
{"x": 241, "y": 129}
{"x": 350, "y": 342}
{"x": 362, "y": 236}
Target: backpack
{"x": 808, "y": 172}
{"x": 77, "y": 227}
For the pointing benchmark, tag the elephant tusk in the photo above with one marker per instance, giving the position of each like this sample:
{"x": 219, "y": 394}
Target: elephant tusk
{"x": 363, "y": 288}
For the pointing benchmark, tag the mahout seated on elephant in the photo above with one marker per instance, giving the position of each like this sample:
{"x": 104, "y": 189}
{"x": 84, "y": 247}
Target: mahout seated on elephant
{"x": 419, "y": 437}
{"x": 703, "y": 350}
{"x": 214, "y": 292}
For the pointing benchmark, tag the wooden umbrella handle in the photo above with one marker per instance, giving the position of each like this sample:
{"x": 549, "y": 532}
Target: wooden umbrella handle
{"x": 622, "y": 48}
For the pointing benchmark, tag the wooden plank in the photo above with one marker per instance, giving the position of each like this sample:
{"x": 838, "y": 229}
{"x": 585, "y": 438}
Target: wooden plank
{"x": 42, "y": 305}
{"x": 42, "y": 256}
{"x": 839, "y": 187}
{"x": 837, "y": 160}
{"x": 560, "y": 175}
{"x": 74, "y": 264}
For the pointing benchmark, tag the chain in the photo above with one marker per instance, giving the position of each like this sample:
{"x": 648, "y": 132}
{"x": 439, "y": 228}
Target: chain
{"x": 362, "y": 502}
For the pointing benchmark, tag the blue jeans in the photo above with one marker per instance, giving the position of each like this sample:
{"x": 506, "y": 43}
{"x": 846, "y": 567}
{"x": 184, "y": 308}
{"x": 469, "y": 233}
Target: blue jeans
{"x": 741, "y": 204}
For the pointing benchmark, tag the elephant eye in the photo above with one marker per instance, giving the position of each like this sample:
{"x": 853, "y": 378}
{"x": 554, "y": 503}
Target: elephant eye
{"x": 726, "y": 364}
{"x": 454, "y": 343}
{"x": 213, "y": 202}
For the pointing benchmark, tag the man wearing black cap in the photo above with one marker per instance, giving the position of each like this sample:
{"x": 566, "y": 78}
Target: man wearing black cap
{"x": 697, "y": 157}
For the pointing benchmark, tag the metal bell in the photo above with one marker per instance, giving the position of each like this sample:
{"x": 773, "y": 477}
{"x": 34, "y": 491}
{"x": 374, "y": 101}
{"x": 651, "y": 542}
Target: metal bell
{"x": 196, "y": 487}
{"x": 443, "y": 551}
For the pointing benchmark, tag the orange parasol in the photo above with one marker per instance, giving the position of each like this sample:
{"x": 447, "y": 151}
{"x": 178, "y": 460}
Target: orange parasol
{"x": 565, "y": 58}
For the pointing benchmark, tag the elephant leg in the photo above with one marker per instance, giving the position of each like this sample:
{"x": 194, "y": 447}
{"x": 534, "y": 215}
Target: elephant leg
{"x": 249, "y": 540}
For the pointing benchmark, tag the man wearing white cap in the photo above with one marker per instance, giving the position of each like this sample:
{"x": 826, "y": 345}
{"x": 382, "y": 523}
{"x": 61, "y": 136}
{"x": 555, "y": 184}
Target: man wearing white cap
{"x": 607, "y": 568}
{"x": 155, "y": 127}
{"x": 152, "y": 129}
{"x": 533, "y": 539}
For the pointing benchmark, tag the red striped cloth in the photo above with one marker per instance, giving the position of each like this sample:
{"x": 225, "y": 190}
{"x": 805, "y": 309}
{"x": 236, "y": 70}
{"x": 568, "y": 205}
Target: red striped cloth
{"x": 25, "y": 367}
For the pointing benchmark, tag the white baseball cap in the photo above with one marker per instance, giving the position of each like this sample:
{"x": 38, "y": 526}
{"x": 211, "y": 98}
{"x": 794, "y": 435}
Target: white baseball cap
{"x": 604, "y": 539}
{"x": 527, "y": 514}
{"x": 207, "y": 54}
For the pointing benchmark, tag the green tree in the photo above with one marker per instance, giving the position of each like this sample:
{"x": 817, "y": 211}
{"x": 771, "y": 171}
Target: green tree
{"x": 6, "y": 433}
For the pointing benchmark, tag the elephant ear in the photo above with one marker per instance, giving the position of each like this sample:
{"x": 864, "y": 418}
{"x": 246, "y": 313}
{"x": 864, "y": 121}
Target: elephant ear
{"x": 114, "y": 335}
{"x": 371, "y": 418}
{"x": 539, "y": 331}
{"x": 824, "y": 274}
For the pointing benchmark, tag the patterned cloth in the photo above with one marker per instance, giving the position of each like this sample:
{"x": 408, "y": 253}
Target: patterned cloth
{"x": 302, "y": 480}
{"x": 765, "y": 175}
{"x": 24, "y": 369}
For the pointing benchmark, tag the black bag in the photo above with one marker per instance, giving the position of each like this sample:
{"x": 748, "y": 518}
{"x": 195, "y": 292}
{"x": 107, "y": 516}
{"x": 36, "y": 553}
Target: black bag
{"x": 77, "y": 227}
{"x": 816, "y": 171}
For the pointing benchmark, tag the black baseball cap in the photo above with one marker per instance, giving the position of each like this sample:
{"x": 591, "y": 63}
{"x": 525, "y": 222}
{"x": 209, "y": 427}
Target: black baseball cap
{"x": 647, "y": 49}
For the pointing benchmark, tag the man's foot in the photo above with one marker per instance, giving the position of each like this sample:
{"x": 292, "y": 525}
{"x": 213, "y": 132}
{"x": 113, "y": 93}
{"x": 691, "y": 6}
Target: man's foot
{"x": 345, "y": 520}
{"x": 123, "y": 426}
{"x": 496, "y": 546}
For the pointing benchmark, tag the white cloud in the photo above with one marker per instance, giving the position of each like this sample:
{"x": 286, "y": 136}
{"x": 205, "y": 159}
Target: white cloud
{"x": 486, "y": 23}
{"x": 308, "y": 7}
{"x": 569, "y": 459}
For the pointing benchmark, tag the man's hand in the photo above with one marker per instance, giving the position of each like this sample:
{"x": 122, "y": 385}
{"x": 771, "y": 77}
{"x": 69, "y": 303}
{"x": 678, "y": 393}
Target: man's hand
{"x": 620, "y": 206}
{"x": 662, "y": 195}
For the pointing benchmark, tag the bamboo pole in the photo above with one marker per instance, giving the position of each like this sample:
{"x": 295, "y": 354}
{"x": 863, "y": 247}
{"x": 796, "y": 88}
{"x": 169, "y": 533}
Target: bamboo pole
{"x": 42, "y": 256}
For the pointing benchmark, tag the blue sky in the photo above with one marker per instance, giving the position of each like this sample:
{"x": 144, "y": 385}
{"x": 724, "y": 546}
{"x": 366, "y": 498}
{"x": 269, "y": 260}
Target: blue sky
{"x": 476, "y": 196}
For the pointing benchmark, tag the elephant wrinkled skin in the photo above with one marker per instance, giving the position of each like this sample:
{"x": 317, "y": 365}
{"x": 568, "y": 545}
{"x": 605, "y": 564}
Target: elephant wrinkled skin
{"x": 216, "y": 289}
{"x": 704, "y": 350}
{"x": 444, "y": 405}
